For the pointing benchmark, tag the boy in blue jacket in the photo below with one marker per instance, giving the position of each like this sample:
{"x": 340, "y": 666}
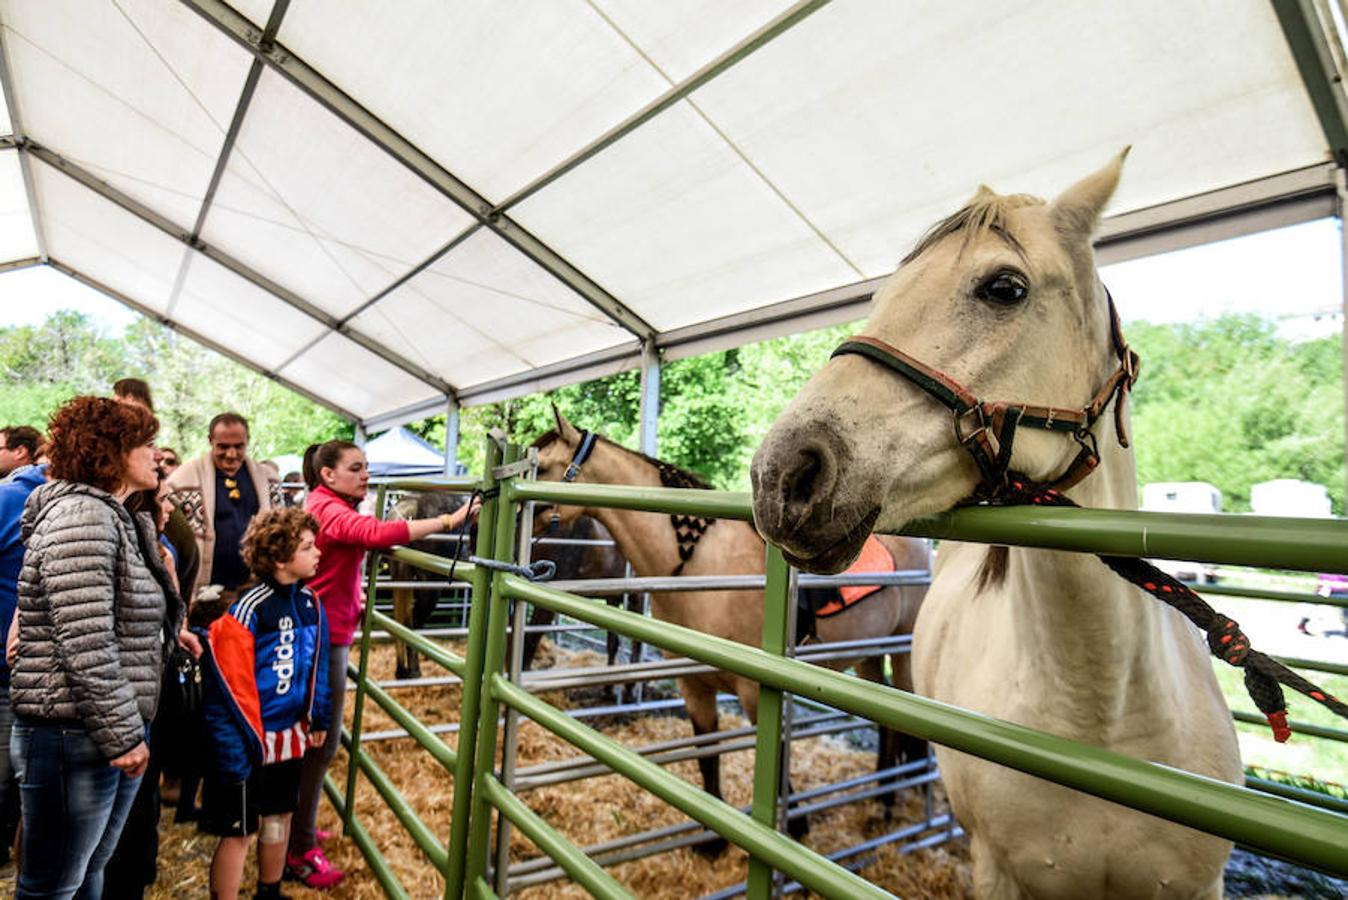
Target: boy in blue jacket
{"x": 265, "y": 701}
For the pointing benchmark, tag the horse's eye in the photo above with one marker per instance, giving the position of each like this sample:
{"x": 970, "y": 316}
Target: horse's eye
{"x": 1005, "y": 288}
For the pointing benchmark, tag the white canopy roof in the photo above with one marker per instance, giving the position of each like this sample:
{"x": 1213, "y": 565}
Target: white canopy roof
{"x": 387, "y": 205}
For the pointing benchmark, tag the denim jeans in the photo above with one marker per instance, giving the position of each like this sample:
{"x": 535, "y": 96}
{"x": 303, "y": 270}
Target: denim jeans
{"x": 74, "y": 806}
{"x": 9, "y": 788}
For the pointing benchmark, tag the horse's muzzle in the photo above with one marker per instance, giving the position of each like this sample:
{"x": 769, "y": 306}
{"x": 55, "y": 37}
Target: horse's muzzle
{"x": 798, "y": 501}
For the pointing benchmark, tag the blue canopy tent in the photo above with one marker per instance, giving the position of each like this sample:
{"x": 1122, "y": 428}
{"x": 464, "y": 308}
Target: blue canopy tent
{"x": 398, "y": 452}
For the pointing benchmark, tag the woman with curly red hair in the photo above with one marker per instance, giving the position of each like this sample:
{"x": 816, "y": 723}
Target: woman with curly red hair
{"x": 96, "y": 611}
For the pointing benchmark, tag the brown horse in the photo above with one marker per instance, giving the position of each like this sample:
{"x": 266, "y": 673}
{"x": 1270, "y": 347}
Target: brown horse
{"x": 658, "y": 547}
{"x": 413, "y": 607}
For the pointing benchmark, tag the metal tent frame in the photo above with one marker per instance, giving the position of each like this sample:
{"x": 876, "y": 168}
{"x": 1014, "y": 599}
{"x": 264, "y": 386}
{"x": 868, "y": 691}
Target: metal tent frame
{"x": 1276, "y": 199}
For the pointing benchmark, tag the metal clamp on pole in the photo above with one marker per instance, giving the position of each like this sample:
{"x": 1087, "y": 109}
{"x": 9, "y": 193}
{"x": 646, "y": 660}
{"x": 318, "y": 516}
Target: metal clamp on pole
{"x": 518, "y": 467}
{"x": 541, "y": 570}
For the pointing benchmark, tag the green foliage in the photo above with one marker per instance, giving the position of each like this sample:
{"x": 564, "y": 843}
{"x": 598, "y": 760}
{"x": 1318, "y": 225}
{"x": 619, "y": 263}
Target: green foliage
{"x": 714, "y": 409}
{"x": 1228, "y": 402}
{"x": 43, "y": 366}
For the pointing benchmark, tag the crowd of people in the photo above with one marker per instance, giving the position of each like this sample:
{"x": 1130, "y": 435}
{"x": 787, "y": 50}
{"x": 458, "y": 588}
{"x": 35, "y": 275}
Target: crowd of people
{"x": 174, "y": 628}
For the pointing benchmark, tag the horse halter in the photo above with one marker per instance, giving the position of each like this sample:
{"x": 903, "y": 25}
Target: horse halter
{"x": 987, "y": 428}
{"x": 583, "y": 451}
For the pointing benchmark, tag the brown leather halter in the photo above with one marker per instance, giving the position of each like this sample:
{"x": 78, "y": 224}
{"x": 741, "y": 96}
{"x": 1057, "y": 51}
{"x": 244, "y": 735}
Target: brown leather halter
{"x": 987, "y": 428}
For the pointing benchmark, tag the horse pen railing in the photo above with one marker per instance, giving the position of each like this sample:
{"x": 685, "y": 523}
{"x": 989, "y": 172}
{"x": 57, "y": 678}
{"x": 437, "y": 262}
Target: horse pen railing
{"x": 1273, "y": 825}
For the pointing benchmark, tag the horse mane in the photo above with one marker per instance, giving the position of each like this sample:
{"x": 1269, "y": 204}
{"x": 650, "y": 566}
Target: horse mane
{"x": 546, "y": 438}
{"x": 670, "y": 474}
{"x": 986, "y": 213}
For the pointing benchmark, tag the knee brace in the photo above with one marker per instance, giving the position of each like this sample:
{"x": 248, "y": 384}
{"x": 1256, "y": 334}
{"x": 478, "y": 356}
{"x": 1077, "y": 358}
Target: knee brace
{"x": 272, "y": 830}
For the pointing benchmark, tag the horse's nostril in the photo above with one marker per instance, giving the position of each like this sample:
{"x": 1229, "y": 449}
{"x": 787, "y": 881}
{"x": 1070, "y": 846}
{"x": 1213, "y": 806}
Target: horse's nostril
{"x": 798, "y": 487}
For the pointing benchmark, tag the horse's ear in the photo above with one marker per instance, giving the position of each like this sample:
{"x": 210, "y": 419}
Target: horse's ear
{"x": 1077, "y": 210}
{"x": 568, "y": 431}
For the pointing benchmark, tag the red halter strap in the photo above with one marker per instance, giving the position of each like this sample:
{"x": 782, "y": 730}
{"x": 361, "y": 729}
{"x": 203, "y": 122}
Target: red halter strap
{"x": 987, "y": 429}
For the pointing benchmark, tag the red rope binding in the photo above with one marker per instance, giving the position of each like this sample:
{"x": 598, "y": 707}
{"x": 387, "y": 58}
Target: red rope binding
{"x": 1264, "y": 676}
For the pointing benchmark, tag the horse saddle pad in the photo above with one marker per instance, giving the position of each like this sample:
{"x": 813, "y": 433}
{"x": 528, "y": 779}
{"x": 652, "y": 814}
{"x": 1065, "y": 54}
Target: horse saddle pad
{"x": 825, "y": 602}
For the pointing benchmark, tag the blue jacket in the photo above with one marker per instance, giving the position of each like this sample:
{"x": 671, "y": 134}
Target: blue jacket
{"x": 266, "y": 684}
{"x": 14, "y": 493}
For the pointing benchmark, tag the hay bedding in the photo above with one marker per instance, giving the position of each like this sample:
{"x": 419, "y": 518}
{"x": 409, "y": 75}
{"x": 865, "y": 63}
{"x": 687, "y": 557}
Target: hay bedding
{"x": 589, "y": 811}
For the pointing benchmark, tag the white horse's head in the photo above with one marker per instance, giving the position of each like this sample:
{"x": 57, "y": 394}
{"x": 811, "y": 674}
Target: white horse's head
{"x": 1003, "y": 298}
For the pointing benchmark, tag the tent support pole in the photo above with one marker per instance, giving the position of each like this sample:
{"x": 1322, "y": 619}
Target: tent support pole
{"x": 451, "y": 436}
{"x": 650, "y": 396}
{"x": 1341, "y": 182}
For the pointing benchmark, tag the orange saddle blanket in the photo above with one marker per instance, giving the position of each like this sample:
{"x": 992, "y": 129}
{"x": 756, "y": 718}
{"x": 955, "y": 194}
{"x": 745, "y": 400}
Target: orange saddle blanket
{"x": 874, "y": 558}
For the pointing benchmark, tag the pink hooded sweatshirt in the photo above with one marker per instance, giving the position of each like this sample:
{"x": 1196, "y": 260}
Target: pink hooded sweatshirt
{"x": 343, "y": 537}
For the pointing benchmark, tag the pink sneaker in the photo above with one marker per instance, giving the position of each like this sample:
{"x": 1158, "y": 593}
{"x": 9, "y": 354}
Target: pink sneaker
{"x": 313, "y": 869}
{"x": 322, "y": 835}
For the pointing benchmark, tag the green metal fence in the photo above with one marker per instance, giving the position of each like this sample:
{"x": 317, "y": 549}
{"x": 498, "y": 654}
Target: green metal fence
{"x": 1283, "y": 826}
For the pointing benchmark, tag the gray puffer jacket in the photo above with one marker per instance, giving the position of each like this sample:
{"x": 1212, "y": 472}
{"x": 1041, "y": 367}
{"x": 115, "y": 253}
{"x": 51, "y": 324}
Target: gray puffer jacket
{"x": 96, "y": 610}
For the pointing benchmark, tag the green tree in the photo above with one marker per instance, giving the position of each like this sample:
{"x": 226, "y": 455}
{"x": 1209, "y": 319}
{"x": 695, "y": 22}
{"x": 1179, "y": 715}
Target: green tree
{"x": 43, "y": 366}
{"x": 1229, "y": 402}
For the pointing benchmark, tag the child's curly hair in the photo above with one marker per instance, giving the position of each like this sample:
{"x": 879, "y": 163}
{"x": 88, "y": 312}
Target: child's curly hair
{"x": 273, "y": 537}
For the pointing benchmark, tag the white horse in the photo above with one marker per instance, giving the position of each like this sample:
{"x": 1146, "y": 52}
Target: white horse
{"x": 1003, "y": 298}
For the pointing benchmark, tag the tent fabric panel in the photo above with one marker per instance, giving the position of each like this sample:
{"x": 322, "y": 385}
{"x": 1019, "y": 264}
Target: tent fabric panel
{"x": 316, "y": 207}
{"x": 677, "y": 225}
{"x": 680, "y": 38}
{"x": 484, "y": 311}
{"x": 876, "y": 118}
{"x": 17, "y": 240}
{"x": 496, "y": 92}
{"x": 140, "y": 93}
{"x": 6, "y": 124}
{"x": 105, "y": 242}
{"x": 256, "y": 11}
{"x": 354, "y": 378}
{"x": 220, "y": 304}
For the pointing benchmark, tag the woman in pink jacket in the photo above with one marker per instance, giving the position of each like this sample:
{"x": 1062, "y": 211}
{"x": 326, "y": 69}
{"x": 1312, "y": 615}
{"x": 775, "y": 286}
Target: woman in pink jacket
{"x": 338, "y": 478}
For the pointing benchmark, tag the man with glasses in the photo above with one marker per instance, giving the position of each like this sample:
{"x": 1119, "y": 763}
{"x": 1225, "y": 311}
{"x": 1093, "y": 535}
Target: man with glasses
{"x": 220, "y": 493}
{"x": 19, "y": 446}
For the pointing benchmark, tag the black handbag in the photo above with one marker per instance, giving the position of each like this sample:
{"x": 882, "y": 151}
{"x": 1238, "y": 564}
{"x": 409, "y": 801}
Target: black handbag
{"x": 184, "y": 676}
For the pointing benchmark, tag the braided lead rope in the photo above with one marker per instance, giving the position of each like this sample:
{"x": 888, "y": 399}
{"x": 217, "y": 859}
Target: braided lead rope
{"x": 466, "y": 525}
{"x": 1263, "y": 674}
{"x": 538, "y": 570}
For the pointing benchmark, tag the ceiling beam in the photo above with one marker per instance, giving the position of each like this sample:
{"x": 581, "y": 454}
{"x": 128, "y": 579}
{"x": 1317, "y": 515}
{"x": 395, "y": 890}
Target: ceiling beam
{"x": 17, "y": 137}
{"x": 240, "y": 110}
{"x": 227, "y": 147}
{"x": 1319, "y": 72}
{"x": 760, "y": 38}
{"x": 677, "y": 92}
{"x": 342, "y": 105}
{"x": 15, "y": 265}
{"x": 1300, "y": 195}
{"x": 290, "y": 298}
{"x": 1275, "y": 201}
{"x": 199, "y": 338}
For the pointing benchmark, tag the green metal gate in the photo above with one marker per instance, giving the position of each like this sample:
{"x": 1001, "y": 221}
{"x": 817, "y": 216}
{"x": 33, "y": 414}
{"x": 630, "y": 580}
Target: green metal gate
{"x": 1275, "y": 825}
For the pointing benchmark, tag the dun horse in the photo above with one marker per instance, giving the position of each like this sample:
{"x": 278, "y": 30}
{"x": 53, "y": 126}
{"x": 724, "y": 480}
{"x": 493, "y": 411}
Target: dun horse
{"x": 1002, "y": 300}
{"x": 653, "y": 544}
{"x": 413, "y": 607}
